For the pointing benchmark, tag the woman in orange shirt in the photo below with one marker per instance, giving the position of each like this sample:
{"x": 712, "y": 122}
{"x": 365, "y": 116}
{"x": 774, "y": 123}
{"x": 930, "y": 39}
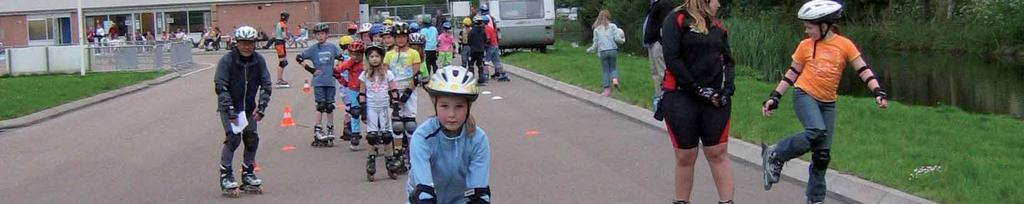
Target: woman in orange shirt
{"x": 817, "y": 66}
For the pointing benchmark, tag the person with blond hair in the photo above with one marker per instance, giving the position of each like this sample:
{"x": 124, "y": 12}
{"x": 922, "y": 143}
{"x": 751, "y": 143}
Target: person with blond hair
{"x": 698, "y": 83}
{"x": 606, "y": 38}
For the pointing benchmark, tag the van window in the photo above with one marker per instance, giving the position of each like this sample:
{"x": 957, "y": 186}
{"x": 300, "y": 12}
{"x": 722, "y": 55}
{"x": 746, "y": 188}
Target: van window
{"x": 521, "y": 9}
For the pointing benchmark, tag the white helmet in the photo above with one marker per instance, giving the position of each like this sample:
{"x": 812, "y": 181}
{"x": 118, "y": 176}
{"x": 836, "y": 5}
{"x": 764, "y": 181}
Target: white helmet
{"x": 245, "y": 33}
{"x": 453, "y": 81}
{"x": 417, "y": 39}
{"x": 821, "y": 11}
{"x": 365, "y": 28}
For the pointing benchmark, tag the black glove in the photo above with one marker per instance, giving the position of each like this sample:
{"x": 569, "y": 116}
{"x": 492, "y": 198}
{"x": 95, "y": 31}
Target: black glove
{"x": 298, "y": 58}
{"x": 232, "y": 115}
{"x": 707, "y": 93}
{"x": 774, "y": 98}
{"x": 879, "y": 92}
{"x": 478, "y": 195}
{"x": 259, "y": 113}
{"x": 724, "y": 100}
{"x": 421, "y": 189}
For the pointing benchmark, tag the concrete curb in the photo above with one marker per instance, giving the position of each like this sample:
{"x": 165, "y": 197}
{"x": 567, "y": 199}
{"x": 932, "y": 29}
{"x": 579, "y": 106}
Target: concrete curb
{"x": 845, "y": 186}
{"x": 54, "y": 112}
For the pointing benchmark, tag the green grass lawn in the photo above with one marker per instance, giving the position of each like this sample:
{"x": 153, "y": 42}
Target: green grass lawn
{"x": 25, "y": 95}
{"x": 981, "y": 156}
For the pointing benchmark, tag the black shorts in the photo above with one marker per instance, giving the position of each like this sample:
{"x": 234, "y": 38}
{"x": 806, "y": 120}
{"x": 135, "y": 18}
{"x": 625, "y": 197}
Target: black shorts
{"x": 690, "y": 119}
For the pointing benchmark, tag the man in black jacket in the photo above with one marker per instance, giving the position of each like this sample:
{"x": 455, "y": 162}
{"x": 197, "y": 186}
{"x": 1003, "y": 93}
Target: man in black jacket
{"x": 240, "y": 74}
{"x": 656, "y": 13}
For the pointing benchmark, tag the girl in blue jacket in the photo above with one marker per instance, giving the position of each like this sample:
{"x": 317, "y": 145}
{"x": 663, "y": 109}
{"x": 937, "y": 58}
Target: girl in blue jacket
{"x": 450, "y": 155}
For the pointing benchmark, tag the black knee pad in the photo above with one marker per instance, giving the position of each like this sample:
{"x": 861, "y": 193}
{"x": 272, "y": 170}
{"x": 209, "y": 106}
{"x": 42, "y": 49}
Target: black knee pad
{"x": 283, "y": 63}
{"x": 232, "y": 140}
{"x": 820, "y": 159}
{"x": 329, "y": 108}
{"x": 387, "y": 137}
{"x": 251, "y": 140}
{"x": 373, "y": 138}
{"x": 321, "y": 107}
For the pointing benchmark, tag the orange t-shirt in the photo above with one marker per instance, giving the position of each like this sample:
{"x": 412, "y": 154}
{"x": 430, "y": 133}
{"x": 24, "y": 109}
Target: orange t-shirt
{"x": 821, "y": 72}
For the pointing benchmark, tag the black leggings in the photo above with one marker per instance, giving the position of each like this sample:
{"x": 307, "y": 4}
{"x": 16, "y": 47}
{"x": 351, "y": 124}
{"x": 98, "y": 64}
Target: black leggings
{"x": 431, "y": 61}
{"x": 692, "y": 120}
{"x": 477, "y": 59}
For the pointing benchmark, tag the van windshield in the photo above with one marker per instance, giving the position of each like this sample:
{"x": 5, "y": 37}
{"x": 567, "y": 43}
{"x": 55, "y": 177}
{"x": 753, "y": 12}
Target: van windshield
{"x": 521, "y": 9}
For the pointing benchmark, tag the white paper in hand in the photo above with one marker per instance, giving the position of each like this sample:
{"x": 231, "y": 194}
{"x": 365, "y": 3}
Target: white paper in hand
{"x": 242, "y": 123}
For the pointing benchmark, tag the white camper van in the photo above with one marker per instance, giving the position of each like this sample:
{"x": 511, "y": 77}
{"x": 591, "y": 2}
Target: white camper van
{"x": 524, "y": 23}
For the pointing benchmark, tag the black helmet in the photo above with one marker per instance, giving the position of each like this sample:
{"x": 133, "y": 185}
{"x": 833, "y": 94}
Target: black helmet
{"x": 284, "y": 15}
{"x": 401, "y": 28}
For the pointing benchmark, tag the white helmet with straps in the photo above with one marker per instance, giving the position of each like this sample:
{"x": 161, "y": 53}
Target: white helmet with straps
{"x": 454, "y": 81}
{"x": 821, "y": 11}
{"x": 365, "y": 28}
{"x": 245, "y": 33}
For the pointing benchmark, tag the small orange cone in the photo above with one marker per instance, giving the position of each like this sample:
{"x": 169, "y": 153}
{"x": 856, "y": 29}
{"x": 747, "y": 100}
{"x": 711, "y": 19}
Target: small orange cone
{"x": 287, "y": 120}
{"x": 531, "y": 133}
{"x": 305, "y": 87}
{"x": 288, "y": 148}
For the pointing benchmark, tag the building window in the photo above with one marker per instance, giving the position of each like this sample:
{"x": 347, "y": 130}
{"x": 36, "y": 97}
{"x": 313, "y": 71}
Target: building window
{"x": 197, "y": 21}
{"x": 176, "y": 21}
{"x": 38, "y": 30}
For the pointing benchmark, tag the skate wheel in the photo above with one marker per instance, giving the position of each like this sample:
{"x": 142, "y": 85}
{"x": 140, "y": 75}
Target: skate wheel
{"x": 231, "y": 193}
{"x": 254, "y": 191}
{"x": 369, "y": 177}
{"x": 393, "y": 175}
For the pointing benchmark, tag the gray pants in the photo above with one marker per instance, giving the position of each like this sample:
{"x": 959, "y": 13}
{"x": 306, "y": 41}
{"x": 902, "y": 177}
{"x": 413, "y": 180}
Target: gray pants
{"x": 608, "y": 66}
{"x": 231, "y": 141}
{"x": 818, "y": 119}
{"x": 657, "y": 58}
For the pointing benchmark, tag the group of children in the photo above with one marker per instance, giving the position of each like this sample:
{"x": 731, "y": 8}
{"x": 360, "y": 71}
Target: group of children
{"x": 379, "y": 68}
{"x": 375, "y": 69}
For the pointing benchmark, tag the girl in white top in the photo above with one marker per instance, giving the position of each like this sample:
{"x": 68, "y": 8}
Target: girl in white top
{"x": 377, "y": 89}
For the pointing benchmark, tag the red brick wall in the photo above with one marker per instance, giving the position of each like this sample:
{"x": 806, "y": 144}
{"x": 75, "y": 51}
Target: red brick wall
{"x": 339, "y": 10}
{"x": 228, "y": 16}
{"x": 15, "y": 30}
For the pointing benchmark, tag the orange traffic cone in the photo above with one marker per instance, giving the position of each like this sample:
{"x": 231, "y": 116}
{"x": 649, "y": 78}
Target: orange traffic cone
{"x": 287, "y": 121}
{"x": 305, "y": 87}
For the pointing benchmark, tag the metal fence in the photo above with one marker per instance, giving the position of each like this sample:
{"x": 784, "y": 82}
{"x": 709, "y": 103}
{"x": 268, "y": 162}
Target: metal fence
{"x": 407, "y": 12}
{"x": 140, "y": 56}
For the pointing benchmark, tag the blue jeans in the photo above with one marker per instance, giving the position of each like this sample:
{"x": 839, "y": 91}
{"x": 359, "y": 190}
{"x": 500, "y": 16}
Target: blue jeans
{"x": 608, "y": 66}
{"x": 818, "y": 119}
{"x": 324, "y": 94}
{"x": 465, "y": 56}
{"x": 350, "y": 99}
{"x": 494, "y": 56}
